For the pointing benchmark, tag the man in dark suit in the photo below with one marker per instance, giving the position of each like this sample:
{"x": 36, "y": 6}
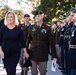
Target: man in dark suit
{"x": 41, "y": 38}
{"x": 72, "y": 47}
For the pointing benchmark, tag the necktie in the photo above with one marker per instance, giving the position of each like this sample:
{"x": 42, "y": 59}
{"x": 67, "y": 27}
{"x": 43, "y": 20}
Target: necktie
{"x": 38, "y": 26}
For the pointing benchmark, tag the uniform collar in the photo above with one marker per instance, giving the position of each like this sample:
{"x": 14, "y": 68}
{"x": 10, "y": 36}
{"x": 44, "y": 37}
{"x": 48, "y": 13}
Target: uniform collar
{"x": 40, "y": 24}
{"x": 26, "y": 24}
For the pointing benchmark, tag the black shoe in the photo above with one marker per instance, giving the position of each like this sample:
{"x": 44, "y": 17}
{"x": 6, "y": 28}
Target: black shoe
{"x": 60, "y": 68}
{"x": 63, "y": 72}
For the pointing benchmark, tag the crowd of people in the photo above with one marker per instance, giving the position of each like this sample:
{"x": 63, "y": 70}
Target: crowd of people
{"x": 30, "y": 44}
{"x": 64, "y": 31}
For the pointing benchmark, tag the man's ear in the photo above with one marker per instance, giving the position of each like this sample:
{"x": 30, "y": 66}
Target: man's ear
{"x": 42, "y": 15}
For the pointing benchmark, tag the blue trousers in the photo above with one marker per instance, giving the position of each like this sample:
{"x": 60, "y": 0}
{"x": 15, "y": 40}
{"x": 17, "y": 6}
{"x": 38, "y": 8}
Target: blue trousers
{"x": 72, "y": 72}
{"x": 62, "y": 55}
{"x": 66, "y": 48}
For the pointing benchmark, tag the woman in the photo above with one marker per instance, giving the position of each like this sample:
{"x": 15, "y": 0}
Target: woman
{"x": 11, "y": 42}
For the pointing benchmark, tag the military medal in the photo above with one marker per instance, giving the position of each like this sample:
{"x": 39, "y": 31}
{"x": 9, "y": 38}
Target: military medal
{"x": 43, "y": 31}
{"x": 73, "y": 34}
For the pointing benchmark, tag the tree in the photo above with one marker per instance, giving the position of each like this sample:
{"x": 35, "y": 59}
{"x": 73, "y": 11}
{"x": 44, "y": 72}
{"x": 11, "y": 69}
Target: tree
{"x": 55, "y": 8}
{"x": 4, "y": 7}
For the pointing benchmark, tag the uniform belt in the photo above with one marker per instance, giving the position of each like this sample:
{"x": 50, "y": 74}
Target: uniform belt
{"x": 72, "y": 46}
{"x": 61, "y": 35}
{"x": 66, "y": 36}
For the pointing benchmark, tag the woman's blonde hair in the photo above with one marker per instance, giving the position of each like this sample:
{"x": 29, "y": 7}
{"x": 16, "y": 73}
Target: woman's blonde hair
{"x": 16, "y": 19}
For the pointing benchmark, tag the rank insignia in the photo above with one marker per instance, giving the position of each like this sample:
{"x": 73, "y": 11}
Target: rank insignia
{"x": 43, "y": 31}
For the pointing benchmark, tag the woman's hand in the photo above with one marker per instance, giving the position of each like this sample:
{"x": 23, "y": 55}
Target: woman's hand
{"x": 1, "y": 54}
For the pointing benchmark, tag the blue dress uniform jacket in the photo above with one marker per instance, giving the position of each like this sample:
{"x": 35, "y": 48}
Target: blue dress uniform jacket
{"x": 72, "y": 51}
{"x": 41, "y": 38}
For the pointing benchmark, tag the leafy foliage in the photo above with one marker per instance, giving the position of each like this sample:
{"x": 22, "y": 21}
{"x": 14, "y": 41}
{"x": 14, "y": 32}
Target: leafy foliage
{"x": 55, "y": 8}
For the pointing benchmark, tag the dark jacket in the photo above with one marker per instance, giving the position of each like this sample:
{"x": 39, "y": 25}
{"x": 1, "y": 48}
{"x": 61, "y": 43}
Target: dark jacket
{"x": 57, "y": 36}
{"x": 1, "y": 23}
{"x": 40, "y": 38}
{"x": 25, "y": 30}
{"x": 72, "y": 51}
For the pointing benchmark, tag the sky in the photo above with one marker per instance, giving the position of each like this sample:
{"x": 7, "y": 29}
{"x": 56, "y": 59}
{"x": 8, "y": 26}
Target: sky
{"x": 12, "y": 4}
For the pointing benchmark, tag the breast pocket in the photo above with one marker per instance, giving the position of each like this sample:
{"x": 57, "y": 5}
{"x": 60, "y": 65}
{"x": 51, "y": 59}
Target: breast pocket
{"x": 33, "y": 34}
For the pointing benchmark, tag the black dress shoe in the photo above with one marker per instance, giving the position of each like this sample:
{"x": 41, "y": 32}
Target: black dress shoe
{"x": 63, "y": 72}
{"x": 60, "y": 68}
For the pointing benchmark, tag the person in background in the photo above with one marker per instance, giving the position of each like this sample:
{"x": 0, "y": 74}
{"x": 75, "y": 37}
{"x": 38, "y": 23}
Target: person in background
{"x": 24, "y": 27}
{"x": 1, "y": 23}
{"x": 72, "y": 47}
{"x": 67, "y": 34}
{"x": 11, "y": 42}
{"x": 57, "y": 40}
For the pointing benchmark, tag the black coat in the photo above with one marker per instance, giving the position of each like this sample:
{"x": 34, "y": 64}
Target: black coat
{"x": 40, "y": 38}
{"x": 72, "y": 51}
{"x": 25, "y": 31}
{"x": 57, "y": 36}
{"x": 1, "y": 23}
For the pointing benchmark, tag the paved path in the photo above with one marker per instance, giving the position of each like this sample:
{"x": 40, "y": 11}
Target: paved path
{"x": 49, "y": 72}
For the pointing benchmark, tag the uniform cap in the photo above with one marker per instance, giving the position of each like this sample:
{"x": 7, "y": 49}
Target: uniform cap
{"x": 38, "y": 12}
{"x": 26, "y": 15}
{"x": 68, "y": 14}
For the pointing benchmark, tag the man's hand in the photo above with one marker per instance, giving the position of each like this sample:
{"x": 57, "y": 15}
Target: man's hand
{"x": 26, "y": 55}
{"x": 1, "y": 54}
{"x": 55, "y": 59}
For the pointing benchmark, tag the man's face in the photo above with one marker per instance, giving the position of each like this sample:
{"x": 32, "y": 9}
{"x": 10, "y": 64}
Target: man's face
{"x": 69, "y": 18}
{"x": 58, "y": 24}
{"x": 26, "y": 19}
{"x": 74, "y": 17}
{"x": 39, "y": 18}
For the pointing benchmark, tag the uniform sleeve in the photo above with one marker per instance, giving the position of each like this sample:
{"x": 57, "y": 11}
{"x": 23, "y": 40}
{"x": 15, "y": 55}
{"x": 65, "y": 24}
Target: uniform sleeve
{"x": 29, "y": 38}
{"x": 52, "y": 44}
{"x": 1, "y": 37}
{"x": 21, "y": 39}
{"x": 74, "y": 33}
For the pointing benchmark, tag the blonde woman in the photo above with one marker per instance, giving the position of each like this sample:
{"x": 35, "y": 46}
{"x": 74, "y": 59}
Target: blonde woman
{"x": 11, "y": 42}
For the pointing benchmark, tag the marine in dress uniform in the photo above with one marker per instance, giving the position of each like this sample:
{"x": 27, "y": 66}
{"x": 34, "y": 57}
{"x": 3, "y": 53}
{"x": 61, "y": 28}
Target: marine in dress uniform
{"x": 41, "y": 38}
{"x": 67, "y": 33}
{"x": 62, "y": 47}
{"x": 72, "y": 47}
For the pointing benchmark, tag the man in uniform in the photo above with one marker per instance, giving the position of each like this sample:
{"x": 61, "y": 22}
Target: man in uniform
{"x": 41, "y": 38}
{"x": 67, "y": 34}
{"x": 72, "y": 47}
{"x": 57, "y": 40}
{"x": 24, "y": 27}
